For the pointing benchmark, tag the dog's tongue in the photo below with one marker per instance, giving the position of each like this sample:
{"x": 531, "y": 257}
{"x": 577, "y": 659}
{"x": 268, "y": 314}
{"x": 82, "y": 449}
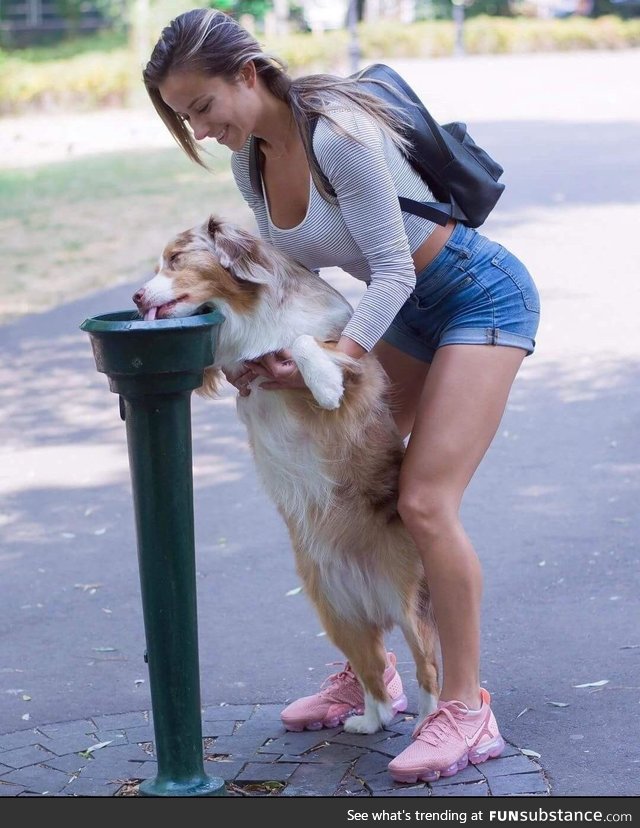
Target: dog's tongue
{"x": 150, "y": 315}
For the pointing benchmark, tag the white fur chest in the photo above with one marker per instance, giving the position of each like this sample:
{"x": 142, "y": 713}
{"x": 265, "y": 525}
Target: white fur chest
{"x": 291, "y": 470}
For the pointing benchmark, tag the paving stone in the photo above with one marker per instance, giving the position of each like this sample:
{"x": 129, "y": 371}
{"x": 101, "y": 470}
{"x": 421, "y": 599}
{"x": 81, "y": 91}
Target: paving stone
{"x": 370, "y": 764}
{"x": 125, "y": 756}
{"x": 315, "y": 780}
{"x": 266, "y": 713}
{"x": 469, "y": 789}
{"x": 140, "y": 735}
{"x": 112, "y": 769}
{"x": 72, "y": 744}
{"x": 302, "y": 759}
{"x": 117, "y": 737}
{"x": 259, "y": 731}
{"x": 392, "y": 745}
{"x": 145, "y": 770}
{"x": 91, "y": 787}
{"x": 510, "y": 750}
{"x": 379, "y": 781}
{"x": 237, "y": 745}
{"x": 10, "y": 790}
{"x": 78, "y": 728}
{"x": 217, "y": 728}
{"x": 468, "y": 774}
{"x": 259, "y": 772}
{"x": 227, "y": 712}
{"x": 295, "y": 743}
{"x": 25, "y": 756}
{"x": 507, "y": 765}
{"x": 403, "y": 726}
{"x": 38, "y": 779}
{"x": 73, "y": 763}
{"x": 331, "y": 753}
{"x": 224, "y": 770}
{"x": 520, "y": 783}
{"x": 362, "y": 739}
{"x": 122, "y": 721}
{"x": 19, "y": 738}
{"x": 351, "y": 785}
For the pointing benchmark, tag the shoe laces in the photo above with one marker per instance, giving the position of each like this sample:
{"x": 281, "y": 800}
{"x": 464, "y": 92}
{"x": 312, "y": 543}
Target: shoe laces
{"x": 341, "y": 687}
{"x": 437, "y": 727}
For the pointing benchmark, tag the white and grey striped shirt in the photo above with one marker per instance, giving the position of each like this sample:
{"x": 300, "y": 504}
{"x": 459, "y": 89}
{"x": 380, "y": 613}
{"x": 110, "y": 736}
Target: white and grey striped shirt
{"x": 365, "y": 233}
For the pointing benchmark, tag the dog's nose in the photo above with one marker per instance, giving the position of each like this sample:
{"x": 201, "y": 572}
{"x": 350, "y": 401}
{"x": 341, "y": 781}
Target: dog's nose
{"x": 138, "y": 296}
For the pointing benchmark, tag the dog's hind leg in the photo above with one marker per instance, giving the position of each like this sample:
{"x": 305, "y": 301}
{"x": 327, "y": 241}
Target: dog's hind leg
{"x": 382, "y": 687}
{"x": 322, "y": 374}
{"x": 421, "y": 635}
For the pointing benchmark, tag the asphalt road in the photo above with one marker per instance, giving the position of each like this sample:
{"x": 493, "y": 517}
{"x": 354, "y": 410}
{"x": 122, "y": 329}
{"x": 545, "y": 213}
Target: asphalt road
{"x": 553, "y": 510}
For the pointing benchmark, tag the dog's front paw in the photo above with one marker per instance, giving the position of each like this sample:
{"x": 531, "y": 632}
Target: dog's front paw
{"x": 362, "y": 724}
{"x": 322, "y": 376}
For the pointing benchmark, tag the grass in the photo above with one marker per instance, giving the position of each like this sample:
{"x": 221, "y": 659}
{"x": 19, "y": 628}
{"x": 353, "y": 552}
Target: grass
{"x": 105, "y": 41}
{"x": 72, "y": 228}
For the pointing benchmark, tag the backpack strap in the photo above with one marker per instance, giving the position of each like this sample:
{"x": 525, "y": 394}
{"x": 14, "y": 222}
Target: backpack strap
{"x": 436, "y": 211}
{"x": 255, "y": 164}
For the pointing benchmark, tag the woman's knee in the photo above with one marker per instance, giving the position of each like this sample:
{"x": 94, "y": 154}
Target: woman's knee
{"x": 427, "y": 511}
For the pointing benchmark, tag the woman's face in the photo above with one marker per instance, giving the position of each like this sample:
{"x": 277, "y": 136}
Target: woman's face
{"x": 213, "y": 106}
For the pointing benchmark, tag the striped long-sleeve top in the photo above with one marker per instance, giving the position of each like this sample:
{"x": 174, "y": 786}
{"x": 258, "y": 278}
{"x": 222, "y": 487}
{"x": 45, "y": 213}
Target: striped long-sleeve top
{"x": 364, "y": 233}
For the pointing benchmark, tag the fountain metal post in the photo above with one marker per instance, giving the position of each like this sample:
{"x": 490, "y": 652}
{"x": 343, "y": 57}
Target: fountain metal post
{"x": 154, "y": 367}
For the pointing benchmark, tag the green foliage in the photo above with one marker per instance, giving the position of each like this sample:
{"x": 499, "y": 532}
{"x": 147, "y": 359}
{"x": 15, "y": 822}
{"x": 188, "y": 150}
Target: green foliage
{"x": 111, "y": 76}
{"x": 101, "y": 42}
{"x": 256, "y": 8}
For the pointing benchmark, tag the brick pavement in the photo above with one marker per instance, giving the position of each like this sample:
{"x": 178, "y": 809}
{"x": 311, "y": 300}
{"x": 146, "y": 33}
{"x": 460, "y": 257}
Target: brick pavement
{"x": 246, "y": 746}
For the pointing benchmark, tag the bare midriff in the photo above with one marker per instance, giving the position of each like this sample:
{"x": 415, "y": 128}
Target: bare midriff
{"x": 430, "y": 247}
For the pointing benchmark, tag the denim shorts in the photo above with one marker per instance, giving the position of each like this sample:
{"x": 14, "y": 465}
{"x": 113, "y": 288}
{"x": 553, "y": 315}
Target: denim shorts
{"x": 475, "y": 292}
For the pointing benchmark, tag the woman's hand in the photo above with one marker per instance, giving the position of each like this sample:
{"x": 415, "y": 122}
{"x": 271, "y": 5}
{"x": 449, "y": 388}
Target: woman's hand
{"x": 240, "y": 378}
{"x": 279, "y": 369}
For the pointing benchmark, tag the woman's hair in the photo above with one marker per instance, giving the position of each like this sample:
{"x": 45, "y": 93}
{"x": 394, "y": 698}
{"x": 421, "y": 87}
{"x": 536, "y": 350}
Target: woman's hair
{"x": 212, "y": 43}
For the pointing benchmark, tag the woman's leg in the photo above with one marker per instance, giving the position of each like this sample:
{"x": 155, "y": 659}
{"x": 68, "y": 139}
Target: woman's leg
{"x": 458, "y": 414}
{"x": 407, "y": 375}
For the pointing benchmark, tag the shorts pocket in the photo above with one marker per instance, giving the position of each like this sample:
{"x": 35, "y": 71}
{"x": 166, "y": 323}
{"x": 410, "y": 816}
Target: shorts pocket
{"x": 429, "y": 300}
{"x": 520, "y": 276}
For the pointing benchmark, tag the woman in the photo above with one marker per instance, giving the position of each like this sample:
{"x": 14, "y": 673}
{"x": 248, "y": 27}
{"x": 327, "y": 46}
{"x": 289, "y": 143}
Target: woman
{"x": 450, "y": 314}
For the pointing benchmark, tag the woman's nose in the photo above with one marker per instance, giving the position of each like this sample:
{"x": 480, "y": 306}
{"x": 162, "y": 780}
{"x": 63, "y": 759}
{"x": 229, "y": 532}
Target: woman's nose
{"x": 200, "y": 130}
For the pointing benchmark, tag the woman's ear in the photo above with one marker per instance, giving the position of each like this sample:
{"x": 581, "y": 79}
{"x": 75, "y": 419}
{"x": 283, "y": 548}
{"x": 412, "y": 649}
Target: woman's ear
{"x": 248, "y": 74}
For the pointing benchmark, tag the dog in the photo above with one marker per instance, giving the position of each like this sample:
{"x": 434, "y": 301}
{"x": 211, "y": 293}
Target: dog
{"x": 329, "y": 455}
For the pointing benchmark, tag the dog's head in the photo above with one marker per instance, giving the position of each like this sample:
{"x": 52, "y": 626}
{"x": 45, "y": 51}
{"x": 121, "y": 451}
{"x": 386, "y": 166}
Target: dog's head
{"x": 216, "y": 263}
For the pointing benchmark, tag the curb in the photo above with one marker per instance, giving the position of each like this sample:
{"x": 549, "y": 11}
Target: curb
{"x": 247, "y": 747}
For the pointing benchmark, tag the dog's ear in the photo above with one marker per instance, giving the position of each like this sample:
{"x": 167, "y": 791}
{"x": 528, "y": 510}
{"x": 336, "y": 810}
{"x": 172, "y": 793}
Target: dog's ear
{"x": 213, "y": 225}
{"x": 238, "y": 251}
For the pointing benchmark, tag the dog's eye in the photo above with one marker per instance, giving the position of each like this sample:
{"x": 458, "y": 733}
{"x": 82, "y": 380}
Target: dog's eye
{"x": 173, "y": 258}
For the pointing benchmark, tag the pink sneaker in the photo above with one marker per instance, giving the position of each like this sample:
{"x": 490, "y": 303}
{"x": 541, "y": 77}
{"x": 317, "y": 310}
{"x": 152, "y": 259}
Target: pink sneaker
{"x": 447, "y": 740}
{"x": 340, "y": 696}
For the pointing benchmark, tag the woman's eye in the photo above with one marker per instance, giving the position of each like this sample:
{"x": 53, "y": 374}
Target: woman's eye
{"x": 204, "y": 108}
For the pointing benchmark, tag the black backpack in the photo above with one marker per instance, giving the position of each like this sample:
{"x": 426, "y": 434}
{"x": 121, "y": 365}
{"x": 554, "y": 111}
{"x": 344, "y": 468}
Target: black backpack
{"x": 459, "y": 173}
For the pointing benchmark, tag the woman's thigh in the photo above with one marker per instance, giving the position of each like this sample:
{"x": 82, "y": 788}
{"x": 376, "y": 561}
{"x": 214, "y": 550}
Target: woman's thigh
{"x": 406, "y": 375}
{"x": 462, "y": 402}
